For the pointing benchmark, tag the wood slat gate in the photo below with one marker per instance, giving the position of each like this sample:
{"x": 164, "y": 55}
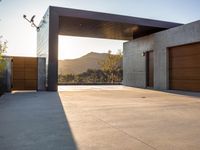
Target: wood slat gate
{"x": 24, "y": 73}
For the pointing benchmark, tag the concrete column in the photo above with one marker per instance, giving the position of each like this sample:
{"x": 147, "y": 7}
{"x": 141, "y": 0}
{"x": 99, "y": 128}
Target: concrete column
{"x": 41, "y": 74}
{"x": 53, "y": 50}
{"x": 8, "y": 74}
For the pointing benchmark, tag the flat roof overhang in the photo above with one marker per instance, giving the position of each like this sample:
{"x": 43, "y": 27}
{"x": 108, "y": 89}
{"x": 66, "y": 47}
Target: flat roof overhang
{"x": 73, "y": 22}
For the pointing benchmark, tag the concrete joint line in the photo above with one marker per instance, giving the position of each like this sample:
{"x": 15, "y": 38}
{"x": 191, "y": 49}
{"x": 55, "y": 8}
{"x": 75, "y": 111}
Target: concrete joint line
{"x": 133, "y": 137}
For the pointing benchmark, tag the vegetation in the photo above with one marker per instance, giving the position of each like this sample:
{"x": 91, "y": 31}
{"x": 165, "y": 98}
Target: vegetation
{"x": 110, "y": 73}
{"x": 112, "y": 67}
{"x": 3, "y": 47}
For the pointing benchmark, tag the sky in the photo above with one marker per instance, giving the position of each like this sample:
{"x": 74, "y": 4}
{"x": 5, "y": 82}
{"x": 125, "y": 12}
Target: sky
{"x": 22, "y": 37}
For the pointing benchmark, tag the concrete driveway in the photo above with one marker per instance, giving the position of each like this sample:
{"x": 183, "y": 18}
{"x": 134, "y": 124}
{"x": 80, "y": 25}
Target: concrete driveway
{"x": 100, "y": 117}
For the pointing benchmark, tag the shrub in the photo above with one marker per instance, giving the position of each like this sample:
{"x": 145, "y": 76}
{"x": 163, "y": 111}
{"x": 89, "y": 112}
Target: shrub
{"x": 3, "y": 47}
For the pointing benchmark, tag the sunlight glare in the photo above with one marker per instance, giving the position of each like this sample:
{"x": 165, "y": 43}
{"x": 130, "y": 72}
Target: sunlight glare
{"x": 71, "y": 47}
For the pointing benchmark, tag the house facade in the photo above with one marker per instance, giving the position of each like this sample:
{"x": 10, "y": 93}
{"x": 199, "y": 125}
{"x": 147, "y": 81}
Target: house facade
{"x": 164, "y": 60}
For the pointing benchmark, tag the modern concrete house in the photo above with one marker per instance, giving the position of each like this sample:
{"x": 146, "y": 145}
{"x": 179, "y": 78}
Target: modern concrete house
{"x": 164, "y": 60}
{"x": 159, "y": 54}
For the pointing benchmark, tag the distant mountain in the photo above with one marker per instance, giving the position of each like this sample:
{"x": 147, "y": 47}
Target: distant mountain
{"x": 82, "y": 64}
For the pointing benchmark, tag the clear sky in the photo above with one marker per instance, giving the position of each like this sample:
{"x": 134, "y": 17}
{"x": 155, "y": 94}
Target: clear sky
{"x": 22, "y": 38}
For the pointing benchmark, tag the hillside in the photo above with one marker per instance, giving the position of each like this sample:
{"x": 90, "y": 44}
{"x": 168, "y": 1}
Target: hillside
{"x": 79, "y": 65}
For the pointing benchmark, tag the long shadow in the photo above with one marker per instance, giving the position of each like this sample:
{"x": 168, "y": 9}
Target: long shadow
{"x": 178, "y": 92}
{"x": 184, "y": 93}
{"x": 34, "y": 121}
{"x": 70, "y": 138}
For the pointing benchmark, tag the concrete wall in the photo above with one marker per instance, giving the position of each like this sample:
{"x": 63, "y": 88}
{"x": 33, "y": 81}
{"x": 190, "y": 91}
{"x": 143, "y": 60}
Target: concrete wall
{"x": 134, "y": 64}
{"x": 5, "y": 76}
{"x": 41, "y": 74}
{"x": 43, "y": 46}
{"x": 43, "y": 36}
{"x": 8, "y": 75}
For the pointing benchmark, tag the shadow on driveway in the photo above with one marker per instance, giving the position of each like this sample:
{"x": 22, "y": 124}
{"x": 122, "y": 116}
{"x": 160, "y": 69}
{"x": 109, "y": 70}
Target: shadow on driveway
{"x": 184, "y": 93}
{"x": 34, "y": 121}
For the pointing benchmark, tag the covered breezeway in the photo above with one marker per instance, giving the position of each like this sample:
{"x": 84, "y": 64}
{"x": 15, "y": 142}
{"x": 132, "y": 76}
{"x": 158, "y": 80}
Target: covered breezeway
{"x": 72, "y": 22}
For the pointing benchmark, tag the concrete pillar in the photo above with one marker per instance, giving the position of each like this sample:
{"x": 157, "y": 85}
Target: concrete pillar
{"x": 41, "y": 74}
{"x": 8, "y": 74}
{"x": 5, "y": 75}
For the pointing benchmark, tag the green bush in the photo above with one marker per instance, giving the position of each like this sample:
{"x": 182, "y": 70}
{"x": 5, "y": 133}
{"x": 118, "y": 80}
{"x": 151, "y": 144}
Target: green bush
{"x": 91, "y": 76}
{"x": 2, "y": 84}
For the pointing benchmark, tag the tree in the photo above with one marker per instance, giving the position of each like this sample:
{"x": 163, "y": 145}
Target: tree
{"x": 112, "y": 66}
{"x": 3, "y": 47}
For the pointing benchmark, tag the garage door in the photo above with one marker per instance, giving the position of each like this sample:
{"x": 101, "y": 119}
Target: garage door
{"x": 184, "y": 67}
{"x": 24, "y": 73}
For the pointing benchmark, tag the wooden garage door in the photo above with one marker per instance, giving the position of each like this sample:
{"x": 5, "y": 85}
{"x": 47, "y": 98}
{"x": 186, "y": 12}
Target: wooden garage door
{"x": 24, "y": 73}
{"x": 184, "y": 67}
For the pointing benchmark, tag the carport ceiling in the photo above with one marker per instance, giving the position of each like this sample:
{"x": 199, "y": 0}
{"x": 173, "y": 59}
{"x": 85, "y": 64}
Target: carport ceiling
{"x": 83, "y": 23}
